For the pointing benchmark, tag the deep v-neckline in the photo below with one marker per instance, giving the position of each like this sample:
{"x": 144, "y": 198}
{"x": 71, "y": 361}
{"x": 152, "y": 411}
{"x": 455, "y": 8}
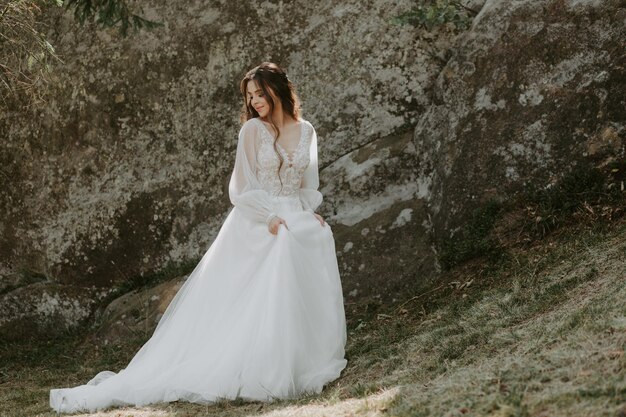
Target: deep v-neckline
{"x": 285, "y": 153}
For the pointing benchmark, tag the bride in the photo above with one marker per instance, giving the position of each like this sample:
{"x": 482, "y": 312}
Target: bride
{"x": 261, "y": 317}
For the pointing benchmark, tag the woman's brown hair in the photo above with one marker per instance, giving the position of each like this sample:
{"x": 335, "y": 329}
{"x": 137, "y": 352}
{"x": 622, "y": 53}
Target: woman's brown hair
{"x": 270, "y": 76}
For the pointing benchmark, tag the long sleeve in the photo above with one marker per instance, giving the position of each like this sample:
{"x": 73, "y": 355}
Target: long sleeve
{"x": 245, "y": 190}
{"x": 309, "y": 194}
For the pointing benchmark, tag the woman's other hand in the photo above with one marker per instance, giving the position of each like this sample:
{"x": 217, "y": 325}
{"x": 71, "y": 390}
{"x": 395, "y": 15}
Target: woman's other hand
{"x": 275, "y": 223}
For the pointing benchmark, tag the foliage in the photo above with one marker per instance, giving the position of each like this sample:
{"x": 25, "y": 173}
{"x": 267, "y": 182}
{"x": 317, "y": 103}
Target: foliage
{"x": 437, "y": 13}
{"x": 26, "y": 56}
{"x": 109, "y": 13}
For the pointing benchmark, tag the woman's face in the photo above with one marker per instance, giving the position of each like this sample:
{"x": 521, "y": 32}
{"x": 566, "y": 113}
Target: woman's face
{"x": 256, "y": 98}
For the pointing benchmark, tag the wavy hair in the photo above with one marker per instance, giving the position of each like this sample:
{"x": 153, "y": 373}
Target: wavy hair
{"x": 270, "y": 77}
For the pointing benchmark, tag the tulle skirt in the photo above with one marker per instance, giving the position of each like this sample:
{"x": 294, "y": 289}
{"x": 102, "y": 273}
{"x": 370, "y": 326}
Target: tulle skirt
{"x": 261, "y": 317}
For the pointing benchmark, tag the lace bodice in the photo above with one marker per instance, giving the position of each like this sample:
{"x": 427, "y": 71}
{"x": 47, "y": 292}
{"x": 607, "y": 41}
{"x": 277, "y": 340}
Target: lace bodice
{"x": 293, "y": 166}
{"x": 255, "y": 183}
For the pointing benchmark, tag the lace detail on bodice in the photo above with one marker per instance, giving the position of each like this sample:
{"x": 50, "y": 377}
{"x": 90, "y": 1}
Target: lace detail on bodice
{"x": 293, "y": 165}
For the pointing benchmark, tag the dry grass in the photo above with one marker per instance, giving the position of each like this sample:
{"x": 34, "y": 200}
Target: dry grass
{"x": 26, "y": 56}
{"x": 542, "y": 333}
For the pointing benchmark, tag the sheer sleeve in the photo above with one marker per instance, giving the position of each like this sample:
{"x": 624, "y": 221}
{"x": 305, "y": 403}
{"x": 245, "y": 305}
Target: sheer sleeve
{"x": 310, "y": 197}
{"x": 245, "y": 190}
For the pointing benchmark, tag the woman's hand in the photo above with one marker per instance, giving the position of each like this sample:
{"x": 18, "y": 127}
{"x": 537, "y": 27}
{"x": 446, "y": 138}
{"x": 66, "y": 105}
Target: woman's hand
{"x": 275, "y": 223}
{"x": 320, "y": 218}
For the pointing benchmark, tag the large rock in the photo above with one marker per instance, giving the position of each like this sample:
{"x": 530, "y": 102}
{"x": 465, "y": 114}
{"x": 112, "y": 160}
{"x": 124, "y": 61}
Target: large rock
{"x": 533, "y": 89}
{"x": 379, "y": 220}
{"x": 46, "y": 309}
{"x": 136, "y": 313}
{"x": 125, "y": 169}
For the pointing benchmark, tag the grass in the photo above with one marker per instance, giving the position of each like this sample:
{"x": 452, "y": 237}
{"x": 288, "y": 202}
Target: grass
{"x": 540, "y": 332}
{"x": 536, "y": 340}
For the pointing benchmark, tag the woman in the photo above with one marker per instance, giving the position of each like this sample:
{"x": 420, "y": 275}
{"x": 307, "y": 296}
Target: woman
{"x": 261, "y": 317}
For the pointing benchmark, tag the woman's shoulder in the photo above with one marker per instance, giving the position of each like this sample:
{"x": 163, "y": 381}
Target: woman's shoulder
{"x": 249, "y": 131}
{"x": 308, "y": 124}
{"x": 250, "y": 126}
{"x": 251, "y": 123}
{"x": 310, "y": 128}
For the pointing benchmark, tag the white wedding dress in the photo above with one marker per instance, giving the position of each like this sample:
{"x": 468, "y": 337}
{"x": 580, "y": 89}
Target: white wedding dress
{"x": 261, "y": 317}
